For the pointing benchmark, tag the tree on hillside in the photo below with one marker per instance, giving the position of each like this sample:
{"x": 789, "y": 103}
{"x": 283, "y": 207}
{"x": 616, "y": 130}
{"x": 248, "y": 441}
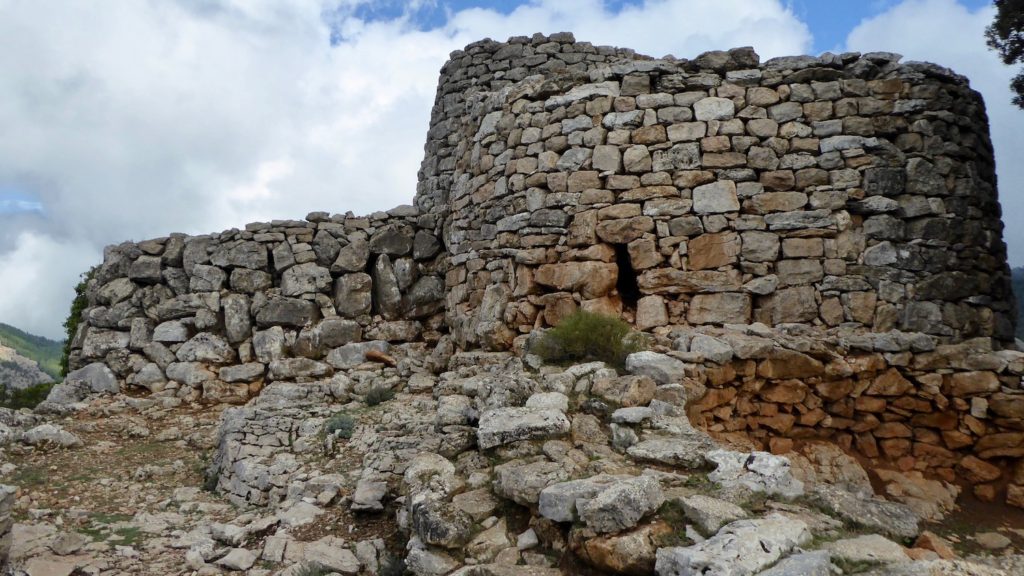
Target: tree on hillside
{"x": 1006, "y": 36}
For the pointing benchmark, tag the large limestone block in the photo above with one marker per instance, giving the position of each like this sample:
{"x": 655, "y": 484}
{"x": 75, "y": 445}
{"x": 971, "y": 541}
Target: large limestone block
{"x": 716, "y": 197}
{"x": 560, "y": 502}
{"x": 713, "y": 108}
{"x": 741, "y": 548}
{"x": 387, "y": 297}
{"x": 710, "y": 514}
{"x": 622, "y": 504}
{"x": 353, "y": 257}
{"x": 505, "y": 425}
{"x": 624, "y": 230}
{"x": 724, "y": 308}
{"x": 522, "y": 482}
{"x": 713, "y": 250}
{"x": 687, "y": 451}
{"x": 251, "y": 255}
{"x": 99, "y": 342}
{"x": 206, "y": 347}
{"x": 291, "y": 312}
{"x": 393, "y": 240}
{"x": 353, "y": 294}
{"x": 756, "y": 471}
{"x": 662, "y": 368}
{"x": 590, "y": 279}
{"x": 307, "y": 278}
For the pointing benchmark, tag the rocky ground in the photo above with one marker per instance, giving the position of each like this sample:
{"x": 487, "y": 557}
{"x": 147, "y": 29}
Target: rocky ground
{"x": 489, "y": 467}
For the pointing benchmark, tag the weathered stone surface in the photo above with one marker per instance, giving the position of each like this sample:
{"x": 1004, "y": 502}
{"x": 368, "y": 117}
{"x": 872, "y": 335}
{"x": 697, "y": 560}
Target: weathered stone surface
{"x": 305, "y": 279}
{"x": 287, "y": 312}
{"x": 504, "y": 425}
{"x": 756, "y": 471}
{"x": 559, "y": 502}
{"x": 715, "y": 198}
{"x": 714, "y": 250}
{"x": 522, "y": 482}
{"x": 741, "y": 548}
{"x": 206, "y": 347}
{"x": 661, "y": 368}
{"x": 622, "y": 504}
{"x": 724, "y": 308}
{"x": 891, "y": 518}
{"x": 353, "y": 294}
{"x": 870, "y": 548}
{"x": 687, "y": 451}
{"x": 710, "y": 514}
{"x": 590, "y": 279}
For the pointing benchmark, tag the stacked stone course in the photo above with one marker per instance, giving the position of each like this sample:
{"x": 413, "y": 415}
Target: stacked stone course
{"x": 215, "y": 317}
{"x": 836, "y": 190}
{"x": 816, "y": 241}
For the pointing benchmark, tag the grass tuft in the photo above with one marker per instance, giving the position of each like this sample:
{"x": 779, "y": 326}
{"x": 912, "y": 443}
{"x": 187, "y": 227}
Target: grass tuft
{"x": 341, "y": 425}
{"x": 378, "y": 395}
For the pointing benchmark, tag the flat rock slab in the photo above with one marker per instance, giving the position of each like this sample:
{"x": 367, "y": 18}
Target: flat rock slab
{"x": 687, "y": 451}
{"x": 870, "y": 548}
{"x": 890, "y": 518}
{"x": 506, "y": 425}
{"x": 817, "y": 563}
{"x": 710, "y": 514}
{"x": 756, "y": 471}
{"x": 559, "y": 502}
{"x": 741, "y": 548}
{"x": 662, "y": 368}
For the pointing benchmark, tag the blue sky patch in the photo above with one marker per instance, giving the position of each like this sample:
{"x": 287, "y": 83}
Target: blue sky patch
{"x": 15, "y": 202}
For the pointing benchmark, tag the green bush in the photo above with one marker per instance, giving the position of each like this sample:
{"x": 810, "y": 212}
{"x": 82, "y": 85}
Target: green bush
{"x": 78, "y": 306}
{"x": 341, "y": 425}
{"x": 585, "y": 336}
{"x": 379, "y": 394}
{"x": 26, "y": 397}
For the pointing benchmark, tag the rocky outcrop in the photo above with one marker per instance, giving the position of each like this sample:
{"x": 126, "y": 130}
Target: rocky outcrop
{"x": 18, "y": 372}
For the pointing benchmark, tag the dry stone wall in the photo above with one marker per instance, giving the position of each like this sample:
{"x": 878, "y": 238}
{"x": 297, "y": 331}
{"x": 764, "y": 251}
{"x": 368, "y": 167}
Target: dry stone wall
{"x": 215, "y": 317}
{"x": 841, "y": 190}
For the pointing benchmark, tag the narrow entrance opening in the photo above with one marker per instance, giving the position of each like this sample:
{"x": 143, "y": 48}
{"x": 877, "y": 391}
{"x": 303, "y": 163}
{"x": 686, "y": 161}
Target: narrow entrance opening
{"x": 627, "y": 286}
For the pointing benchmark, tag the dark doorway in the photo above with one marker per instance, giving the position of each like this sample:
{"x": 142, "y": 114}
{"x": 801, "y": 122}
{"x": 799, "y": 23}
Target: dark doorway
{"x": 627, "y": 286}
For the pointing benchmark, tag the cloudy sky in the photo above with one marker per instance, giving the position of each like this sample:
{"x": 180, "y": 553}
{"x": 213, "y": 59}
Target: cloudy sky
{"x": 132, "y": 120}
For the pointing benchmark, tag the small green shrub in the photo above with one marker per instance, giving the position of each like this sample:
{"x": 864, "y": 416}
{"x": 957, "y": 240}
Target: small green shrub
{"x": 584, "y": 336}
{"x": 341, "y": 425}
{"x": 379, "y": 394}
{"x": 29, "y": 397}
{"x": 78, "y": 306}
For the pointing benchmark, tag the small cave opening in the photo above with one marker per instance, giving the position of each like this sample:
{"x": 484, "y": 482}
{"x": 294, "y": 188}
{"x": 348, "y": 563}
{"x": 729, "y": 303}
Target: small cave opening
{"x": 626, "y": 284}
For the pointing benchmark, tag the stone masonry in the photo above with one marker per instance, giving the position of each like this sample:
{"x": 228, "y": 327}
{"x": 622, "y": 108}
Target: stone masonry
{"x": 814, "y": 241}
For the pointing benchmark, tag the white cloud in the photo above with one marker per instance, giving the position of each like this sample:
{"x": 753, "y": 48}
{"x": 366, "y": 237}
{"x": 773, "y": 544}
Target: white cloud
{"x": 132, "y": 120}
{"x": 949, "y": 34}
{"x": 42, "y": 292}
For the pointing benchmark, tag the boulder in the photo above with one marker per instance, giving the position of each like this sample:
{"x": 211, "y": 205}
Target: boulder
{"x": 662, "y": 368}
{"x": 756, "y": 471}
{"x": 741, "y": 548}
{"x": 505, "y": 425}
{"x": 620, "y": 505}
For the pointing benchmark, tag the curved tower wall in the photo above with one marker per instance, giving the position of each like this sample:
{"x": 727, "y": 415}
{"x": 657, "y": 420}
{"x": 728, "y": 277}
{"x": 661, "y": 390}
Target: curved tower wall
{"x": 847, "y": 191}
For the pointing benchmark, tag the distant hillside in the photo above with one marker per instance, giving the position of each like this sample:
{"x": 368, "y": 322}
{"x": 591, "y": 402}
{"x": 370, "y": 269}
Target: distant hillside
{"x": 43, "y": 350}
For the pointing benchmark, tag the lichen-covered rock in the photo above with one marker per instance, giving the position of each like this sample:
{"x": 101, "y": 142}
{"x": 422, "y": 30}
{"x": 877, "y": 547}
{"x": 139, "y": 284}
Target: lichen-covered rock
{"x": 504, "y": 425}
{"x": 741, "y": 548}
